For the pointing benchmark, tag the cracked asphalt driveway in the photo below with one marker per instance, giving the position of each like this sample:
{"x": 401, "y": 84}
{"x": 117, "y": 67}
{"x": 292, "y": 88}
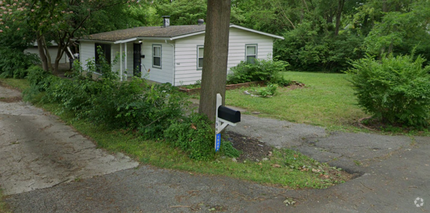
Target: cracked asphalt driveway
{"x": 39, "y": 151}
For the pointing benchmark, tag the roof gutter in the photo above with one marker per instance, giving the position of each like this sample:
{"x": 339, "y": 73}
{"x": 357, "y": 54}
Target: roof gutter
{"x": 94, "y": 40}
{"x": 125, "y": 41}
{"x": 187, "y": 35}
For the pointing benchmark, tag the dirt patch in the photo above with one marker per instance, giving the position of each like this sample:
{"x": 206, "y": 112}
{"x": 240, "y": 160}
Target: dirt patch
{"x": 377, "y": 125}
{"x": 11, "y": 99}
{"x": 8, "y": 86}
{"x": 252, "y": 149}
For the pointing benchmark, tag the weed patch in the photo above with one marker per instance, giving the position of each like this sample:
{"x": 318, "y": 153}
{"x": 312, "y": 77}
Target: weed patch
{"x": 3, "y": 206}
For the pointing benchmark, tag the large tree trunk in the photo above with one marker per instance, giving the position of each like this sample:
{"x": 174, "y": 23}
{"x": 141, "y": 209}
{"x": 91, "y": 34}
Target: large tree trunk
{"x": 42, "y": 55}
{"x": 214, "y": 74}
{"x": 60, "y": 52}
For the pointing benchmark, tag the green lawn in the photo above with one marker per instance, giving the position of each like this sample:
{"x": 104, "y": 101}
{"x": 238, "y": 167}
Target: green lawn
{"x": 19, "y": 84}
{"x": 327, "y": 100}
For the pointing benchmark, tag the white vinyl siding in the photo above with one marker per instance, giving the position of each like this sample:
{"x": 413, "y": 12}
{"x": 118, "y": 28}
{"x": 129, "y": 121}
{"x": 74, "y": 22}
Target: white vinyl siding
{"x": 186, "y": 62}
{"x": 186, "y": 55}
{"x": 240, "y": 38}
{"x": 163, "y": 74}
{"x": 86, "y": 52}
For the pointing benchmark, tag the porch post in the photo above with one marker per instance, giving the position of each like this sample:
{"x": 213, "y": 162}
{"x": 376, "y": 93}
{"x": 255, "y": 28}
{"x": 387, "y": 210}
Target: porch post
{"x": 120, "y": 61}
{"x": 125, "y": 64}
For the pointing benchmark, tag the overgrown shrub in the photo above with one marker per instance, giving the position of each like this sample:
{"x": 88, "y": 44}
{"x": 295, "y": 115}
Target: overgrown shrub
{"x": 152, "y": 111}
{"x": 133, "y": 104}
{"x": 260, "y": 70}
{"x": 194, "y": 135}
{"x": 395, "y": 89}
{"x": 38, "y": 78}
{"x": 14, "y": 63}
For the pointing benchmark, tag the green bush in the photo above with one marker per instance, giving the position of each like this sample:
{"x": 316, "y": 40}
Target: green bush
{"x": 269, "y": 90}
{"x": 38, "y": 78}
{"x": 14, "y": 63}
{"x": 132, "y": 105}
{"x": 260, "y": 70}
{"x": 395, "y": 89}
{"x": 152, "y": 111}
{"x": 194, "y": 135}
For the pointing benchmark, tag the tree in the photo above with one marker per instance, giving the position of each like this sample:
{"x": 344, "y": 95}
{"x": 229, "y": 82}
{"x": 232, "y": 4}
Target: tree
{"x": 402, "y": 32}
{"x": 183, "y": 12}
{"x": 57, "y": 20}
{"x": 214, "y": 74}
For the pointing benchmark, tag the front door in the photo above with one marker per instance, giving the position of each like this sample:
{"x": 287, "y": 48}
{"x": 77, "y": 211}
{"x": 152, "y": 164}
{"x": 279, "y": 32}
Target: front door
{"x": 137, "y": 59}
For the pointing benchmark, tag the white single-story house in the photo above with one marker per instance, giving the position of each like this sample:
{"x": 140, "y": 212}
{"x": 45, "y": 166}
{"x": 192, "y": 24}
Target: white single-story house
{"x": 172, "y": 54}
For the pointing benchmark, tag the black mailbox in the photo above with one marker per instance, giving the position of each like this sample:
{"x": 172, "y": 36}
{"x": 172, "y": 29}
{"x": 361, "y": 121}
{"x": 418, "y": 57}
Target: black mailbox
{"x": 228, "y": 114}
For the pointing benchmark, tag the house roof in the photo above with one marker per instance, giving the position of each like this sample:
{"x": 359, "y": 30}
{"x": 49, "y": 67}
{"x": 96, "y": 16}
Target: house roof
{"x": 170, "y": 33}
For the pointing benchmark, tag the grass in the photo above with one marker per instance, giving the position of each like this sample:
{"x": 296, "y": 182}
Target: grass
{"x": 3, "y": 206}
{"x": 284, "y": 168}
{"x": 18, "y": 84}
{"x": 327, "y": 100}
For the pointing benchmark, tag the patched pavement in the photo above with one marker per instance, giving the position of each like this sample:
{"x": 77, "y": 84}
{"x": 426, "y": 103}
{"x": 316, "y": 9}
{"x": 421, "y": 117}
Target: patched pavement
{"x": 37, "y": 150}
{"x": 393, "y": 174}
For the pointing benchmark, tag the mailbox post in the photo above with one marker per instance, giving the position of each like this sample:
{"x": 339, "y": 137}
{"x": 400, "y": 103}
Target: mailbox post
{"x": 224, "y": 117}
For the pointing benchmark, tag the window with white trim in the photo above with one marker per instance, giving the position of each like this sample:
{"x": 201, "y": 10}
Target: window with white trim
{"x": 156, "y": 55}
{"x": 251, "y": 52}
{"x": 200, "y": 51}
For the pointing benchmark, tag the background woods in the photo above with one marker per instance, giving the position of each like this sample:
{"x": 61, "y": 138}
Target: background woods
{"x": 319, "y": 35}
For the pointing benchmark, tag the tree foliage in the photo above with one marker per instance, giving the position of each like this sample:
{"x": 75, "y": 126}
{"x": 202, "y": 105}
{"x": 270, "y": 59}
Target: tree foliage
{"x": 321, "y": 35}
{"x": 55, "y": 20}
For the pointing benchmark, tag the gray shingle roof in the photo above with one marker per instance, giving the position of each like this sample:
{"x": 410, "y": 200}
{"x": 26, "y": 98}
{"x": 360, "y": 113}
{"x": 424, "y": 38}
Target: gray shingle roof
{"x": 164, "y": 32}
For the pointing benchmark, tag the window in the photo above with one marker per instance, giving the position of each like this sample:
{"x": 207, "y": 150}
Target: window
{"x": 200, "y": 50}
{"x": 251, "y": 53}
{"x": 103, "y": 54}
{"x": 156, "y": 55}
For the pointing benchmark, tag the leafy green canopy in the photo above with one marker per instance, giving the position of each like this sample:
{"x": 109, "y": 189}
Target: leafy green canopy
{"x": 60, "y": 21}
{"x": 401, "y": 32}
{"x": 13, "y": 61}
